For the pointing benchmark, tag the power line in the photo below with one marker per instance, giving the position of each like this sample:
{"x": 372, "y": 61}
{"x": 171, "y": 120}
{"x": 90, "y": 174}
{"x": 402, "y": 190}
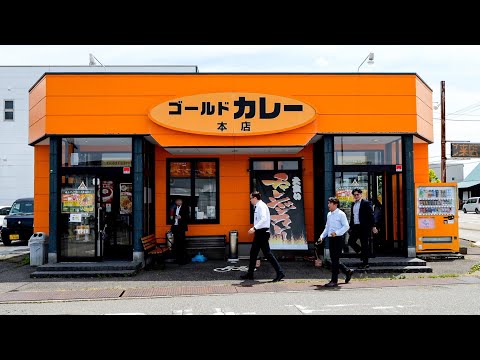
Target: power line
{"x": 438, "y": 119}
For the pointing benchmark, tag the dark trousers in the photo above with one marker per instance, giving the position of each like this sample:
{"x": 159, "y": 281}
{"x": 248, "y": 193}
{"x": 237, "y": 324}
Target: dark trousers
{"x": 260, "y": 242}
{"x": 359, "y": 232}
{"x": 179, "y": 243}
{"x": 336, "y": 246}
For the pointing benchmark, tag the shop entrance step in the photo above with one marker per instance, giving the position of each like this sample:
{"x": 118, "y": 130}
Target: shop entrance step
{"x": 96, "y": 269}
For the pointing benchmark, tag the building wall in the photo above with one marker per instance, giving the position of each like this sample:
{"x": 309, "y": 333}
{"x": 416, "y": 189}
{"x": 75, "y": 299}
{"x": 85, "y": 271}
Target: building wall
{"x": 420, "y": 162}
{"x": 42, "y": 188}
{"x": 119, "y": 104}
{"x": 16, "y": 157}
{"x": 454, "y": 172}
{"x": 345, "y": 104}
{"x": 234, "y": 189}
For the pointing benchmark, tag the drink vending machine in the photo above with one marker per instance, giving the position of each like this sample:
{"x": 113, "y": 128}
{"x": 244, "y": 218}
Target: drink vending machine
{"x": 436, "y": 218}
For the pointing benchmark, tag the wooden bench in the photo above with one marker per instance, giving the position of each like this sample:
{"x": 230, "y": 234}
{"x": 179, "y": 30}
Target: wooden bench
{"x": 212, "y": 246}
{"x": 153, "y": 250}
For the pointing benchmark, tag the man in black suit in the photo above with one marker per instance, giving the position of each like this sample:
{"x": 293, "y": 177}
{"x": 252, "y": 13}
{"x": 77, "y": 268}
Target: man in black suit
{"x": 179, "y": 215}
{"x": 361, "y": 224}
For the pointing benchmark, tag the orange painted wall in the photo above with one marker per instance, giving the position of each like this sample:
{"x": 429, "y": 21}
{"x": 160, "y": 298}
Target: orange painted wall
{"x": 420, "y": 162}
{"x": 119, "y": 104}
{"x": 234, "y": 191}
{"x": 41, "y": 187}
{"x": 37, "y": 110}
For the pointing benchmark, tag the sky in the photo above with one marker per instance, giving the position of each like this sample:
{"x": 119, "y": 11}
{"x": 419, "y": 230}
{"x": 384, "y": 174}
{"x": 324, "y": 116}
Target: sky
{"x": 458, "y": 66}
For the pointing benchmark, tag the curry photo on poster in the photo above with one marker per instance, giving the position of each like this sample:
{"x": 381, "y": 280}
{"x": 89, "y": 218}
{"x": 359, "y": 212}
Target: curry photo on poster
{"x": 126, "y": 198}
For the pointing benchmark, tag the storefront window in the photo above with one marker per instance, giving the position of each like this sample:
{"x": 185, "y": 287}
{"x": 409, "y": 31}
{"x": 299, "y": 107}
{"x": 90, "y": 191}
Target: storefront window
{"x": 98, "y": 152}
{"x": 196, "y": 183}
{"x": 288, "y": 165}
{"x": 368, "y": 150}
{"x": 263, "y": 165}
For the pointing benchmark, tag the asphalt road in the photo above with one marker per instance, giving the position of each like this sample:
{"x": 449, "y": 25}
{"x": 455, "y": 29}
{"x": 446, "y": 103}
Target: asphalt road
{"x": 439, "y": 299}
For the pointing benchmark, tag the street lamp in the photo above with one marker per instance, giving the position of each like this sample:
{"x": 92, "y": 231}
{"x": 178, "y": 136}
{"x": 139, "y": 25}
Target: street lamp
{"x": 369, "y": 62}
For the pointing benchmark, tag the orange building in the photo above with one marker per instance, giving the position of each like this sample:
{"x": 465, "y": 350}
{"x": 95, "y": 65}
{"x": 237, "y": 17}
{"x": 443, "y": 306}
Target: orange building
{"x": 113, "y": 151}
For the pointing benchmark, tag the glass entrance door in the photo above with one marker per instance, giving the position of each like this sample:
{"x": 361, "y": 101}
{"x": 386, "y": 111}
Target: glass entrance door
{"x": 79, "y": 219}
{"x": 115, "y": 200}
{"x": 96, "y": 217}
{"x": 384, "y": 190}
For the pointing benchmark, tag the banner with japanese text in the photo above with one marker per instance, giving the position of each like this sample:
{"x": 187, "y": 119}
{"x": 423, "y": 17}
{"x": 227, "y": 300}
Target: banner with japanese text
{"x": 282, "y": 191}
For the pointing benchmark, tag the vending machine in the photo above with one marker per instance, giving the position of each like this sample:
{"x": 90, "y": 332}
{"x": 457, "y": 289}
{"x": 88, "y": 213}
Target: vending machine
{"x": 436, "y": 218}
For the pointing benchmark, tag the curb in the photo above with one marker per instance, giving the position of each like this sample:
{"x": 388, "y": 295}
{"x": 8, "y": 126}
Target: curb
{"x": 244, "y": 288}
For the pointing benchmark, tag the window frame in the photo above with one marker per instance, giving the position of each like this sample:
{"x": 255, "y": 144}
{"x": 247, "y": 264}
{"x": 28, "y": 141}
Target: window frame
{"x": 275, "y": 160}
{"x": 5, "y": 110}
{"x": 193, "y": 165}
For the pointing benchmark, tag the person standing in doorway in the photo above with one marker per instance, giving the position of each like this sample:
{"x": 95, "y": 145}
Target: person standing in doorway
{"x": 261, "y": 229}
{"x": 336, "y": 227}
{"x": 179, "y": 216}
{"x": 361, "y": 226}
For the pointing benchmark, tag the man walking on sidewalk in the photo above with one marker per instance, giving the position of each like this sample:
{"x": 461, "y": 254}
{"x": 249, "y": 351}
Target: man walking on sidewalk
{"x": 361, "y": 225}
{"x": 337, "y": 226}
{"x": 261, "y": 229}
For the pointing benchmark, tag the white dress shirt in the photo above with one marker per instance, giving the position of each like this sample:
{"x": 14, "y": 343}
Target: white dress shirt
{"x": 336, "y": 222}
{"x": 356, "y": 212}
{"x": 177, "y": 211}
{"x": 261, "y": 218}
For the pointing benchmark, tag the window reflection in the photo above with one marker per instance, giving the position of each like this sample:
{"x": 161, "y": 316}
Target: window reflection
{"x": 195, "y": 181}
{"x": 102, "y": 152}
{"x": 368, "y": 150}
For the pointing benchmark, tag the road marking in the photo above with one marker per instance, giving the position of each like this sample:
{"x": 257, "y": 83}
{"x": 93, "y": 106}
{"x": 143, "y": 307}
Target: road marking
{"x": 126, "y": 314}
{"x": 182, "y": 312}
{"x": 305, "y": 310}
{"x": 218, "y": 311}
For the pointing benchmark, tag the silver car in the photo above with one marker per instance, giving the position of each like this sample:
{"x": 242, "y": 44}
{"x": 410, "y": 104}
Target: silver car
{"x": 472, "y": 204}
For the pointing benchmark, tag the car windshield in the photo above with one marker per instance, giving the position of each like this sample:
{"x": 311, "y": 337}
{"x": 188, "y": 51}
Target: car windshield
{"x": 22, "y": 208}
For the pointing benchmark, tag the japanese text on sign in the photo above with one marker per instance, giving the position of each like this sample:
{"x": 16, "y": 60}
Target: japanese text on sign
{"x": 232, "y": 113}
{"x": 465, "y": 150}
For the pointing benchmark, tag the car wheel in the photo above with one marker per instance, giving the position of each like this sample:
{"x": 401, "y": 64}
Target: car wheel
{"x": 476, "y": 211}
{"x": 6, "y": 242}
{"x": 464, "y": 210}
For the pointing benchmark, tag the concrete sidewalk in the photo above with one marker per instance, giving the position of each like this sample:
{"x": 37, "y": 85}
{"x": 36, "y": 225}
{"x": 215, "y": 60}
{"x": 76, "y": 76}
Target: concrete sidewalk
{"x": 200, "y": 279}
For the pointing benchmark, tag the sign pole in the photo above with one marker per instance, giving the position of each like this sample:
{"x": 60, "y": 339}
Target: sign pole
{"x": 443, "y": 166}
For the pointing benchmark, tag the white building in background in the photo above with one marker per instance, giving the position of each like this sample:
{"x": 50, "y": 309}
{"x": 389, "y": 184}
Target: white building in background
{"x": 16, "y": 156}
{"x": 454, "y": 172}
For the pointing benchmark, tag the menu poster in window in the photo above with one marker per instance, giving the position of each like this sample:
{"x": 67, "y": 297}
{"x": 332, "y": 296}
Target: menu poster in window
{"x": 206, "y": 169}
{"x": 76, "y": 200}
{"x": 126, "y": 198}
{"x": 107, "y": 191}
{"x": 180, "y": 169}
{"x": 282, "y": 191}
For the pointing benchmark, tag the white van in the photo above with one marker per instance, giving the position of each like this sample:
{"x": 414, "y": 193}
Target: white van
{"x": 472, "y": 204}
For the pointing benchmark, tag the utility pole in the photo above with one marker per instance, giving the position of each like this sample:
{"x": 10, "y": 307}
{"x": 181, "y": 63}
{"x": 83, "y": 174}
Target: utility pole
{"x": 443, "y": 165}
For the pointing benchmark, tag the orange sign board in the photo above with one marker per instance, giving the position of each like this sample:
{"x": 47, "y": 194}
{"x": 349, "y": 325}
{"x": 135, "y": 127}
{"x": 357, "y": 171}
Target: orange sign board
{"x": 232, "y": 114}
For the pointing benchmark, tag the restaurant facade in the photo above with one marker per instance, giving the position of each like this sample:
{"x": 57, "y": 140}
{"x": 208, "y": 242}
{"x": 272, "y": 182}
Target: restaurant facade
{"x": 114, "y": 151}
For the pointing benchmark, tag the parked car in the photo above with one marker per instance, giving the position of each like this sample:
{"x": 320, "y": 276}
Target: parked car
{"x": 472, "y": 204}
{"x": 18, "y": 224}
{"x": 4, "y": 210}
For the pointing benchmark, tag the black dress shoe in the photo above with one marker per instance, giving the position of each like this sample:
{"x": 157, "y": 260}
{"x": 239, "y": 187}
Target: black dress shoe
{"x": 348, "y": 276}
{"x": 246, "y": 277}
{"x": 331, "y": 284}
{"x": 279, "y": 277}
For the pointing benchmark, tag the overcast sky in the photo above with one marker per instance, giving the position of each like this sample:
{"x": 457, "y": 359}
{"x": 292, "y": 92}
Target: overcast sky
{"x": 459, "y": 66}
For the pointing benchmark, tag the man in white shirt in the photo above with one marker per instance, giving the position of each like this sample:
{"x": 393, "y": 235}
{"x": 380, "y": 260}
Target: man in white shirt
{"x": 261, "y": 229}
{"x": 336, "y": 227}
